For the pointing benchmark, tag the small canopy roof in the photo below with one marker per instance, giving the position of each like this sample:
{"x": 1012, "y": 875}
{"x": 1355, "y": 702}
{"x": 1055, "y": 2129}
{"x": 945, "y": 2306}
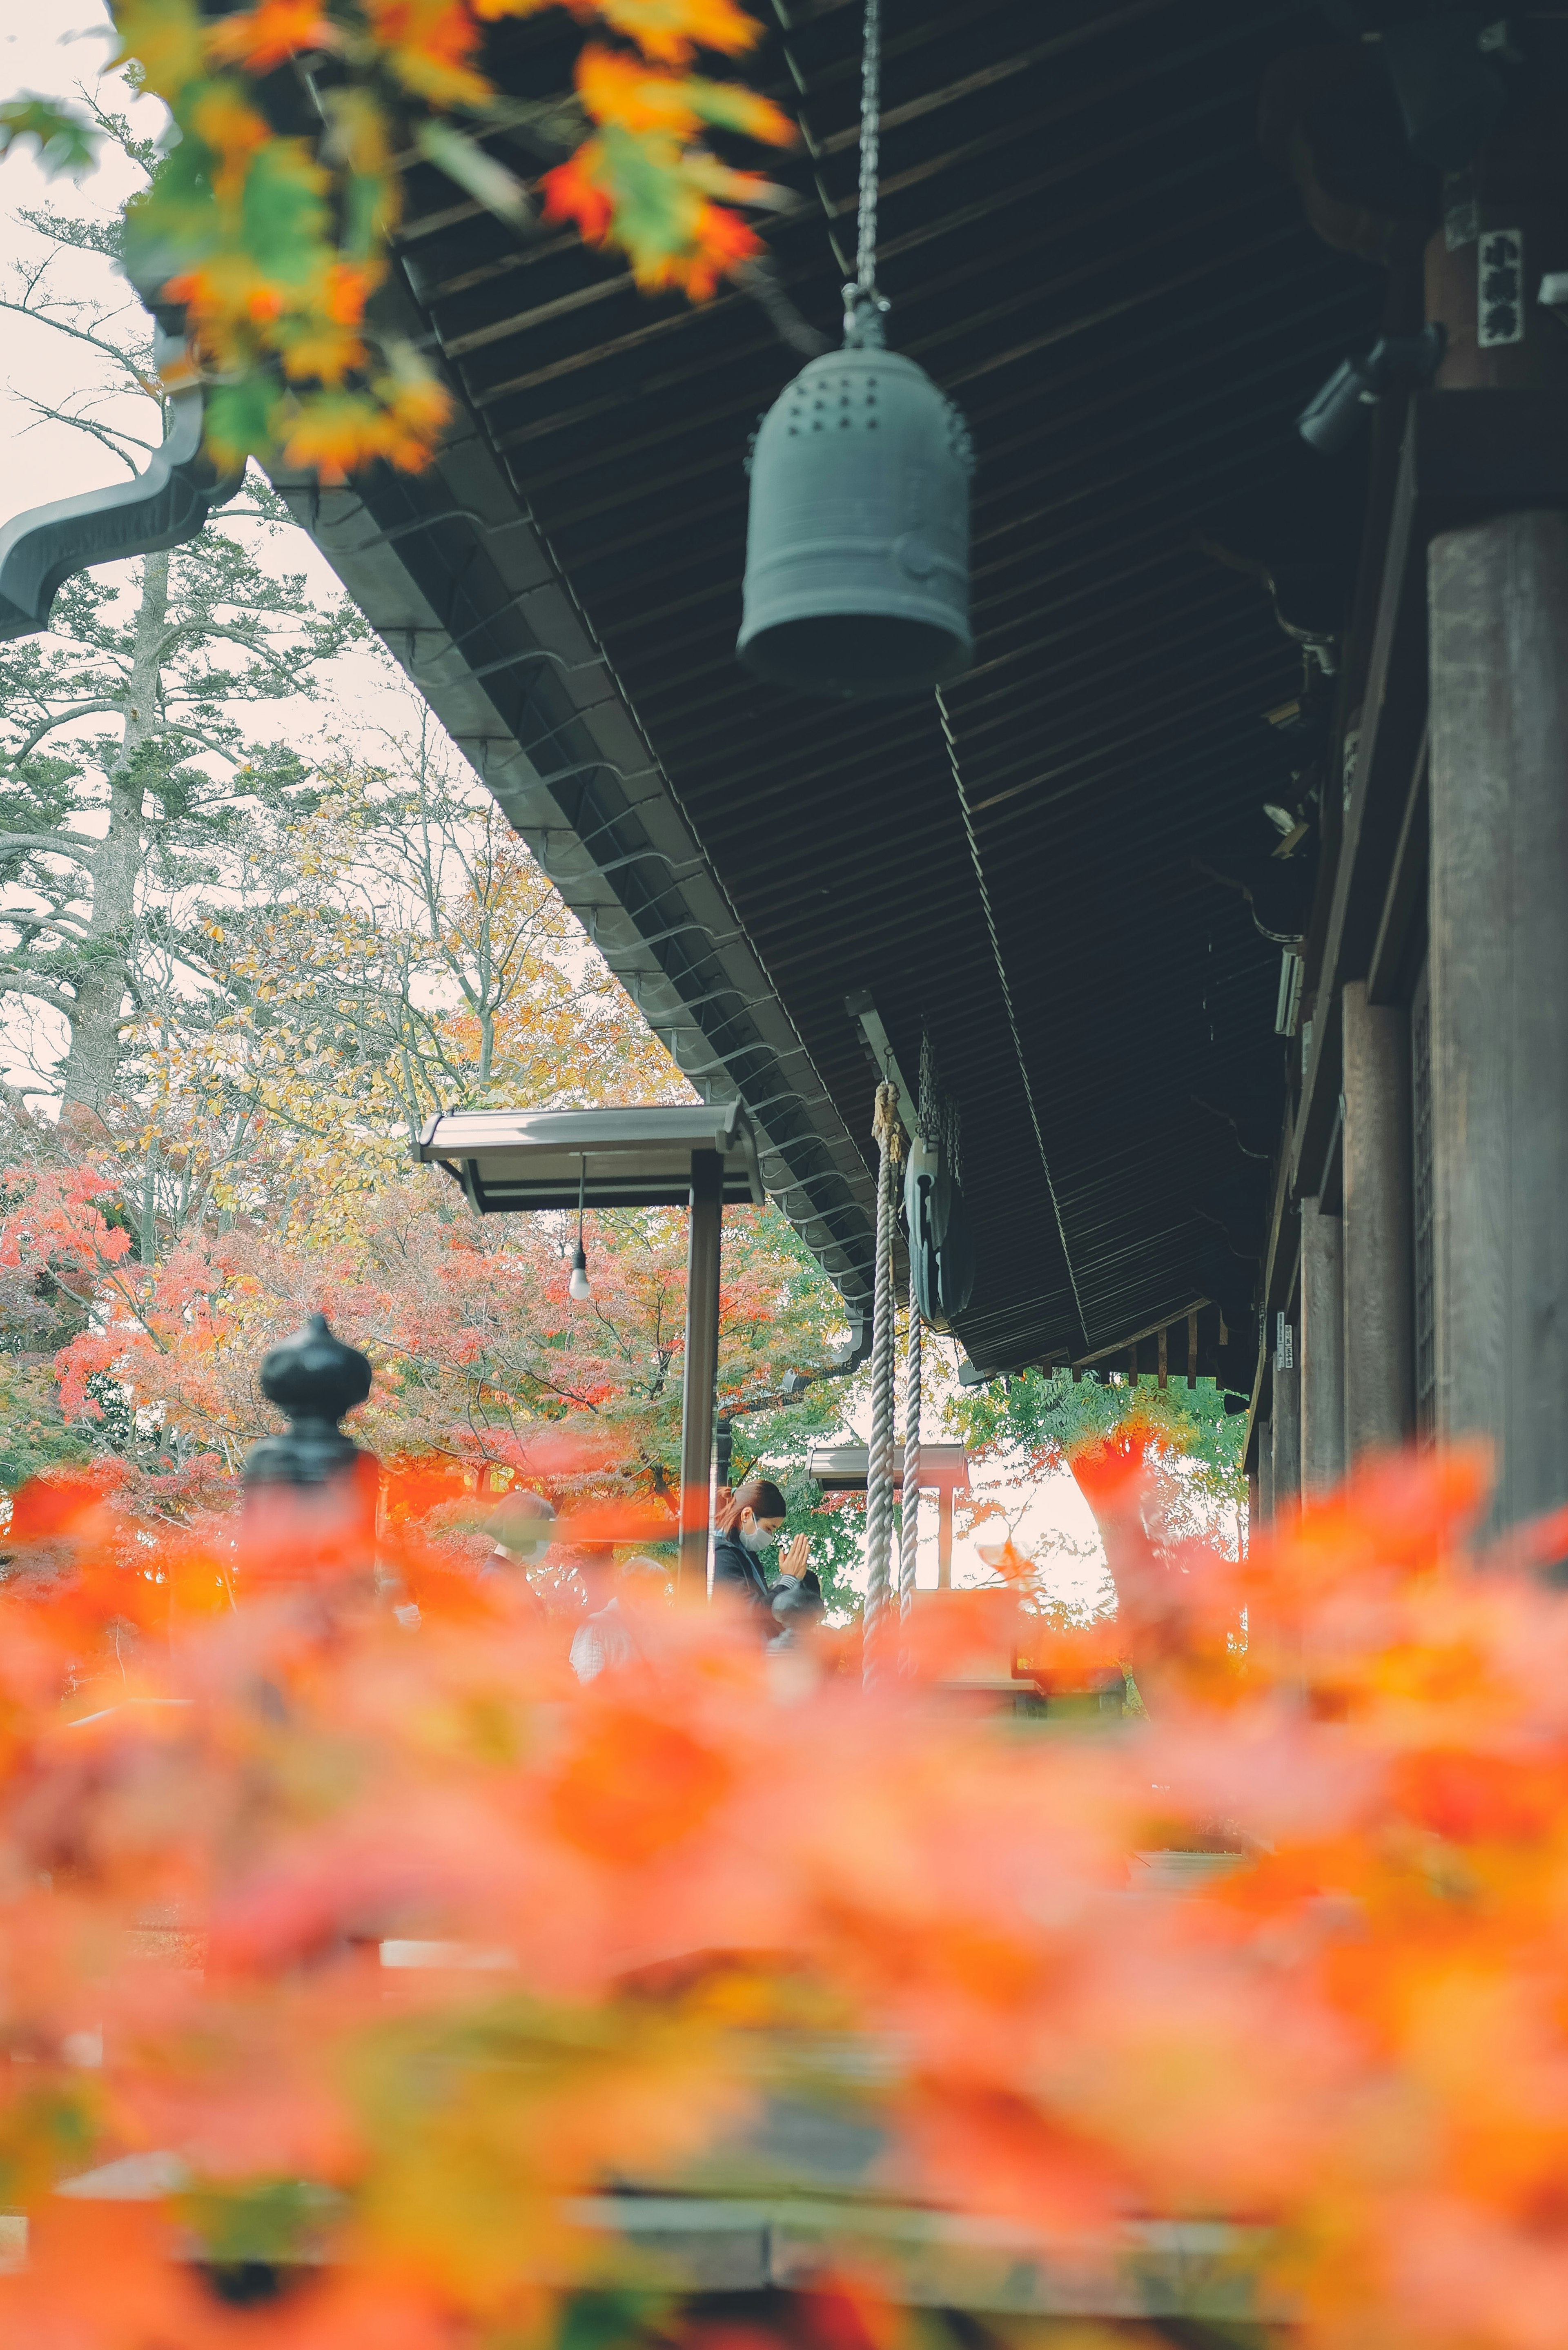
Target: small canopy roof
{"x": 841, "y": 1468}
{"x": 639, "y": 1157}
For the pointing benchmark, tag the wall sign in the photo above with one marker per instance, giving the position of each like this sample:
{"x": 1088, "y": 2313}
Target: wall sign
{"x": 1499, "y": 306}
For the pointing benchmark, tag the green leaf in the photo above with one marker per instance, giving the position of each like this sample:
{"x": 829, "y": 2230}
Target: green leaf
{"x": 490, "y": 184}
{"x": 283, "y": 217}
{"x": 259, "y": 2220}
{"x": 172, "y": 225}
{"x": 653, "y": 204}
{"x": 238, "y": 421}
{"x": 67, "y": 141}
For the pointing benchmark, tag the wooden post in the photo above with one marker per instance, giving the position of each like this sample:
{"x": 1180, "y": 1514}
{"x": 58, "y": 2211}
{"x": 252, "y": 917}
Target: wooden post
{"x": 1164, "y": 1358}
{"x": 1132, "y": 1365}
{"x": 944, "y": 1537}
{"x": 701, "y": 1365}
{"x": 1499, "y": 989}
{"x": 1192, "y": 1350}
{"x": 1264, "y": 1472}
{"x": 1379, "y": 1315}
{"x": 1322, "y": 1350}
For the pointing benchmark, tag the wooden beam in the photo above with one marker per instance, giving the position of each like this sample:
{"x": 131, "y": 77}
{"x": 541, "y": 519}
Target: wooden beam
{"x": 1404, "y": 898}
{"x": 1499, "y": 979}
{"x": 1462, "y": 459}
{"x": 1134, "y": 1338}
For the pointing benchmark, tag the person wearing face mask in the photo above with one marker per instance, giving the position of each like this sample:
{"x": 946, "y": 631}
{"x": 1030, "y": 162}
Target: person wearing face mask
{"x": 746, "y": 1546}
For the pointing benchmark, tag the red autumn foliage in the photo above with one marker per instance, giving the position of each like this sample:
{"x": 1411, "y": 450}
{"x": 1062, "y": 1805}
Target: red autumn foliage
{"x": 323, "y": 1882}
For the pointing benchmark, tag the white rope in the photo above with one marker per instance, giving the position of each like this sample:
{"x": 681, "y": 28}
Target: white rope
{"x": 879, "y": 1461}
{"x": 909, "y": 1536}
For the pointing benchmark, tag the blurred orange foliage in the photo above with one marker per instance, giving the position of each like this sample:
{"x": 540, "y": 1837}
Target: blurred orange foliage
{"x": 272, "y": 243}
{"x": 328, "y": 1891}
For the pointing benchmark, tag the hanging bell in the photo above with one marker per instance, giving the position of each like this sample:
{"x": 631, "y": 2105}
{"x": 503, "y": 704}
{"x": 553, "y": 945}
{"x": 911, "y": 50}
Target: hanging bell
{"x": 858, "y": 546}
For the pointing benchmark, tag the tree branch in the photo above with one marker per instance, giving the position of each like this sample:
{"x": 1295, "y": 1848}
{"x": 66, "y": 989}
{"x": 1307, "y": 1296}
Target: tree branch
{"x": 51, "y": 843}
{"x": 13, "y": 982}
{"x": 48, "y": 726}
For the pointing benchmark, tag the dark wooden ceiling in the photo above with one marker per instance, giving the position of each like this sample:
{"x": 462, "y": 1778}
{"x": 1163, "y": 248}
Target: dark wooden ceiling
{"x": 1084, "y": 245}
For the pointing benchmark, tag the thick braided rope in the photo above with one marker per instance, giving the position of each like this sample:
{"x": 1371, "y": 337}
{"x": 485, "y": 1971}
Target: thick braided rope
{"x": 870, "y": 147}
{"x": 909, "y": 1536}
{"x": 879, "y": 1463}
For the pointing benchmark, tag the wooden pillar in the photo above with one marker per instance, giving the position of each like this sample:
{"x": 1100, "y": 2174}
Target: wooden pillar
{"x": 701, "y": 1365}
{"x": 1379, "y": 1327}
{"x": 1286, "y": 1497}
{"x": 1498, "y": 984}
{"x": 944, "y": 1538}
{"x": 1322, "y": 1350}
{"x": 1264, "y": 1472}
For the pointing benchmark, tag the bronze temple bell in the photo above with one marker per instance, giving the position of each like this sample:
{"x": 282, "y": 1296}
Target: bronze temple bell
{"x": 858, "y": 546}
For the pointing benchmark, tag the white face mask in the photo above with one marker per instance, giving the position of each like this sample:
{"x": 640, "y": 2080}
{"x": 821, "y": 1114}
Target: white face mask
{"x": 760, "y": 1538}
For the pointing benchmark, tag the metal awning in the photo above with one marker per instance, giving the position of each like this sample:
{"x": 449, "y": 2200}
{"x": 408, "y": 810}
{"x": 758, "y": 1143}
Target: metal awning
{"x": 842, "y": 1468}
{"x": 639, "y": 1157}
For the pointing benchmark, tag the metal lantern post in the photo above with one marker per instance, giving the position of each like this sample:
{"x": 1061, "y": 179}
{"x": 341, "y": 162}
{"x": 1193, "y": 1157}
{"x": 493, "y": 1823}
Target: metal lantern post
{"x": 313, "y": 1379}
{"x": 699, "y": 1154}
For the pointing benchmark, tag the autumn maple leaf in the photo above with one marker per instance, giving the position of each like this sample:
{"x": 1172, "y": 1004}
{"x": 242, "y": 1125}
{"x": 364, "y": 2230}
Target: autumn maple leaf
{"x": 671, "y": 31}
{"x": 268, "y": 34}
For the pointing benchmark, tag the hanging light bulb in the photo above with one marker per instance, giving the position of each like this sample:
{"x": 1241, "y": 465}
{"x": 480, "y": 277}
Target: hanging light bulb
{"x": 580, "y": 1287}
{"x": 857, "y": 539}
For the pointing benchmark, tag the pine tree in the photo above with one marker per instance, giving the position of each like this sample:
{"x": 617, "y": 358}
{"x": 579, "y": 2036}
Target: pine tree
{"x": 128, "y": 784}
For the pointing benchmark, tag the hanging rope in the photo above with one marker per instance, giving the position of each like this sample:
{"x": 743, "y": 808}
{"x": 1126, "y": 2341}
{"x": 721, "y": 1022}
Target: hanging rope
{"x": 909, "y": 1535}
{"x": 889, "y": 1136}
{"x": 862, "y": 304}
{"x": 870, "y": 147}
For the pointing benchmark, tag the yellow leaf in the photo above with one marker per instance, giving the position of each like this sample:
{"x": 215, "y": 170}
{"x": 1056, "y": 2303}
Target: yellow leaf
{"x": 166, "y": 39}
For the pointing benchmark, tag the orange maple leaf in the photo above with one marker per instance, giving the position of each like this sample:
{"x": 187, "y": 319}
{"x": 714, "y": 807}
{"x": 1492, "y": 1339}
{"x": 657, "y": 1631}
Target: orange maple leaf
{"x": 430, "y": 46}
{"x": 671, "y": 31}
{"x": 267, "y": 36}
{"x": 570, "y": 194}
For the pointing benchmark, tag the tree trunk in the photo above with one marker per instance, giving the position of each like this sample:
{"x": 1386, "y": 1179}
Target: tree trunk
{"x": 92, "y": 1063}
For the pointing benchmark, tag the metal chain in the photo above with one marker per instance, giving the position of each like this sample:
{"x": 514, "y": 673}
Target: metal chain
{"x": 879, "y": 1460}
{"x": 870, "y": 145}
{"x": 909, "y": 1535}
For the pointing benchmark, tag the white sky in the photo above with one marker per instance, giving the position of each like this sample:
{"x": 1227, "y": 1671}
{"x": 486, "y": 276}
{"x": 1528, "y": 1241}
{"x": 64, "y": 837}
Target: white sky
{"x": 46, "y": 47}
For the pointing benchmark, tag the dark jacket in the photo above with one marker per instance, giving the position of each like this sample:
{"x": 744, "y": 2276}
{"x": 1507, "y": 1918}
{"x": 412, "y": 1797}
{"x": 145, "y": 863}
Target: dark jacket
{"x": 796, "y": 1602}
{"x": 738, "y": 1573}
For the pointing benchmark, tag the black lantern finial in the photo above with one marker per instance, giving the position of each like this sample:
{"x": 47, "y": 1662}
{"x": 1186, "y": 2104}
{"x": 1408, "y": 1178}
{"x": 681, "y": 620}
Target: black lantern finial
{"x": 313, "y": 1378}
